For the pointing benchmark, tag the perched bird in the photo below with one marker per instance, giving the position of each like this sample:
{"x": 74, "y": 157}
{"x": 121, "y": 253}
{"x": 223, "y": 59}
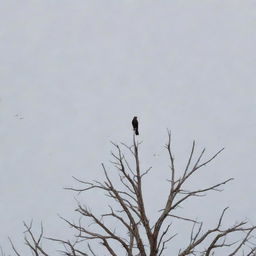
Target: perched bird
{"x": 135, "y": 125}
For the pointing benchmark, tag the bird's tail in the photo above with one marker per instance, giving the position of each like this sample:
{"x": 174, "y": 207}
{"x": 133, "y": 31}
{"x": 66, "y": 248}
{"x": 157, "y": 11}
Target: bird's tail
{"x": 136, "y": 132}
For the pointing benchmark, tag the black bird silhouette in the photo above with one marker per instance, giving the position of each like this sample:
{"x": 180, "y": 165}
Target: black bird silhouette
{"x": 135, "y": 125}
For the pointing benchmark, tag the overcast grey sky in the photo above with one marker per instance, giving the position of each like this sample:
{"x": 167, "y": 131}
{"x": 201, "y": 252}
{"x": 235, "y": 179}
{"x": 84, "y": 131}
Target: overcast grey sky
{"x": 74, "y": 73}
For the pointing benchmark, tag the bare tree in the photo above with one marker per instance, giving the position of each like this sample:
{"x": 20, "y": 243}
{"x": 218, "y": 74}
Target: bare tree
{"x": 136, "y": 234}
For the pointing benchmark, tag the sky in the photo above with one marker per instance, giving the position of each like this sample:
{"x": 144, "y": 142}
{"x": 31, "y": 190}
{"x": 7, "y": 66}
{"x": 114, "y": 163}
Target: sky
{"x": 74, "y": 73}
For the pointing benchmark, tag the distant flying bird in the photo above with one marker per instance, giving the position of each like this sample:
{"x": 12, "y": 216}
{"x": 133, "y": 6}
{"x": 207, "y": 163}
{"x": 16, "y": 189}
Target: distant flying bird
{"x": 19, "y": 116}
{"x": 135, "y": 125}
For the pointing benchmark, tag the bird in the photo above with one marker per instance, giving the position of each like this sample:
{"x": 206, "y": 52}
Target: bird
{"x": 135, "y": 125}
{"x": 18, "y": 116}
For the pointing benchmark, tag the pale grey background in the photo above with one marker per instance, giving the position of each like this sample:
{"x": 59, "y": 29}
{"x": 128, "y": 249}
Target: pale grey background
{"x": 77, "y": 71}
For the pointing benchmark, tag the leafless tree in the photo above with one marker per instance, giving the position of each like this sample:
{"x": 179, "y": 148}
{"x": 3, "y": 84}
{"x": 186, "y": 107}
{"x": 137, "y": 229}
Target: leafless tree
{"x": 136, "y": 234}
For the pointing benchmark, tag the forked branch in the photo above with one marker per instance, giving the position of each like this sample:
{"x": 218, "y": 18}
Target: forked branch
{"x": 133, "y": 233}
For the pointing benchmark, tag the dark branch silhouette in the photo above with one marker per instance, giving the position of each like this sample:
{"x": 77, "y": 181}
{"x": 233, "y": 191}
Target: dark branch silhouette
{"x": 136, "y": 234}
